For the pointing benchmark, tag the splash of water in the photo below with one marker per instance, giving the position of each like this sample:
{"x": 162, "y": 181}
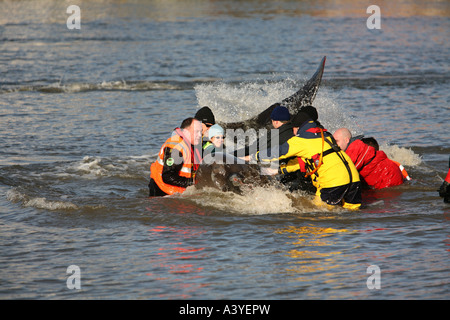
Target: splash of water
{"x": 405, "y": 156}
{"x": 257, "y": 200}
{"x": 231, "y": 103}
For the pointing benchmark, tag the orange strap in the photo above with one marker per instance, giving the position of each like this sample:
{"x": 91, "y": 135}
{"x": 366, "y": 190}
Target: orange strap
{"x": 310, "y": 173}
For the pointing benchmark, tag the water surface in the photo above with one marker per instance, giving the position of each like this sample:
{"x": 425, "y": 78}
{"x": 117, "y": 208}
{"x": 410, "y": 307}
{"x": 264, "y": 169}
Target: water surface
{"x": 83, "y": 114}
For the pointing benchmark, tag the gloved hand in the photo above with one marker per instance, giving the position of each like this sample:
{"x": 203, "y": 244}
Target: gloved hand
{"x": 267, "y": 171}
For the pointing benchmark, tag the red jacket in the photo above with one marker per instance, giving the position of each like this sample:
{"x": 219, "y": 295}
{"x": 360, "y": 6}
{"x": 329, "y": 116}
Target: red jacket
{"x": 374, "y": 167}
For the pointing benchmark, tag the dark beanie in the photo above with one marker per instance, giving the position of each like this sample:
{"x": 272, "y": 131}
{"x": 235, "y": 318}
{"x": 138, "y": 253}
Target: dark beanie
{"x": 205, "y": 115}
{"x": 280, "y": 113}
{"x": 300, "y": 118}
{"x": 311, "y": 111}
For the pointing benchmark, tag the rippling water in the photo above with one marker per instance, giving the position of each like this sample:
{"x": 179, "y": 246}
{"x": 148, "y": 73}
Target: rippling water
{"x": 84, "y": 112}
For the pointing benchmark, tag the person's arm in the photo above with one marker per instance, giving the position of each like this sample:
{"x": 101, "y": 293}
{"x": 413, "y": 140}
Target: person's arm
{"x": 288, "y": 149}
{"x": 172, "y": 167}
{"x": 291, "y": 166}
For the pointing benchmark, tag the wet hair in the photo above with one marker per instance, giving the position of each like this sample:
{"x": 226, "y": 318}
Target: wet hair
{"x": 371, "y": 142}
{"x": 187, "y": 123}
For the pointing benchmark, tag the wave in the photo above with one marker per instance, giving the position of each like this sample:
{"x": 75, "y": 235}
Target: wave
{"x": 86, "y": 184}
{"x": 91, "y": 167}
{"x": 15, "y": 196}
{"x": 397, "y": 80}
{"x": 272, "y": 90}
{"x": 122, "y": 85}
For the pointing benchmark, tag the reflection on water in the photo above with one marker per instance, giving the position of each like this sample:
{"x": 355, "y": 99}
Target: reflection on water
{"x": 310, "y": 263}
{"x": 176, "y": 263}
{"x": 309, "y": 235}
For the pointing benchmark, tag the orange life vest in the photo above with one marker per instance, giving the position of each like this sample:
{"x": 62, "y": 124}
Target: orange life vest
{"x": 188, "y": 169}
{"x": 403, "y": 170}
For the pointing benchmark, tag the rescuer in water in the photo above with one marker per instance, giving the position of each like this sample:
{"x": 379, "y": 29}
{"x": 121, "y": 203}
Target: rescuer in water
{"x": 373, "y": 165}
{"x": 178, "y": 160}
{"x": 332, "y": 172}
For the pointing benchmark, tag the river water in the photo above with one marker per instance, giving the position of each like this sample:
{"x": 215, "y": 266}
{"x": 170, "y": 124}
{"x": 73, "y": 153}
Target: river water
{"x": 84, "y": 112}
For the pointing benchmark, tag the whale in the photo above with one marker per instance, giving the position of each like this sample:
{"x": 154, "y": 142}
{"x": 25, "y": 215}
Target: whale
{"x": 226, "y": 172}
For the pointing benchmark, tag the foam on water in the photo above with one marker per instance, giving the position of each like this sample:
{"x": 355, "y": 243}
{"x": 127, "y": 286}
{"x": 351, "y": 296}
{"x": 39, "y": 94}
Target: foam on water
{"x": 75, "y": 87}
{"x": 405, "y": 156}
{"x": 333, "y": 115}
{"x": 231, "y": 103}
{"x": 92, "y": 167}
{"x": 77, "y": 185}
{"x": 257, "y": 200}
{"x": 15, "y": 196}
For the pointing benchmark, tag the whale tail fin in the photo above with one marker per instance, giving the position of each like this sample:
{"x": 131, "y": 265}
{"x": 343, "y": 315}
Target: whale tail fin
{"x": 303, "y": 97}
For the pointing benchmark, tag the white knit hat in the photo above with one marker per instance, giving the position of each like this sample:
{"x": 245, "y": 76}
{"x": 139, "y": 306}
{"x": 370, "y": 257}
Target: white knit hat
{"x": 215, "y": 130}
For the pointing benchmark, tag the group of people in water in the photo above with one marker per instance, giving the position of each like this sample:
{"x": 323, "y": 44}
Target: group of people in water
{"x": 336, "y": 167}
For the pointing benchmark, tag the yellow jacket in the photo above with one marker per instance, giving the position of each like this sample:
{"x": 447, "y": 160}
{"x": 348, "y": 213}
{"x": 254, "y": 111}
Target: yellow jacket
{"x": 308, "y": 145}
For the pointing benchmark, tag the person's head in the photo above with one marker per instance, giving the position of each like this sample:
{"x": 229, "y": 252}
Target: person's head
{"x": 206, "y": 117}
{"x": 279, "y": 116}
{"x": 299, "y": 120}
{"x": 216, "y": 135}
{"x": 311, "y": 111}
{"x": 371, "y": 142}
{"x": 342, "y": 137}
{"x": 192, "y": 129}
